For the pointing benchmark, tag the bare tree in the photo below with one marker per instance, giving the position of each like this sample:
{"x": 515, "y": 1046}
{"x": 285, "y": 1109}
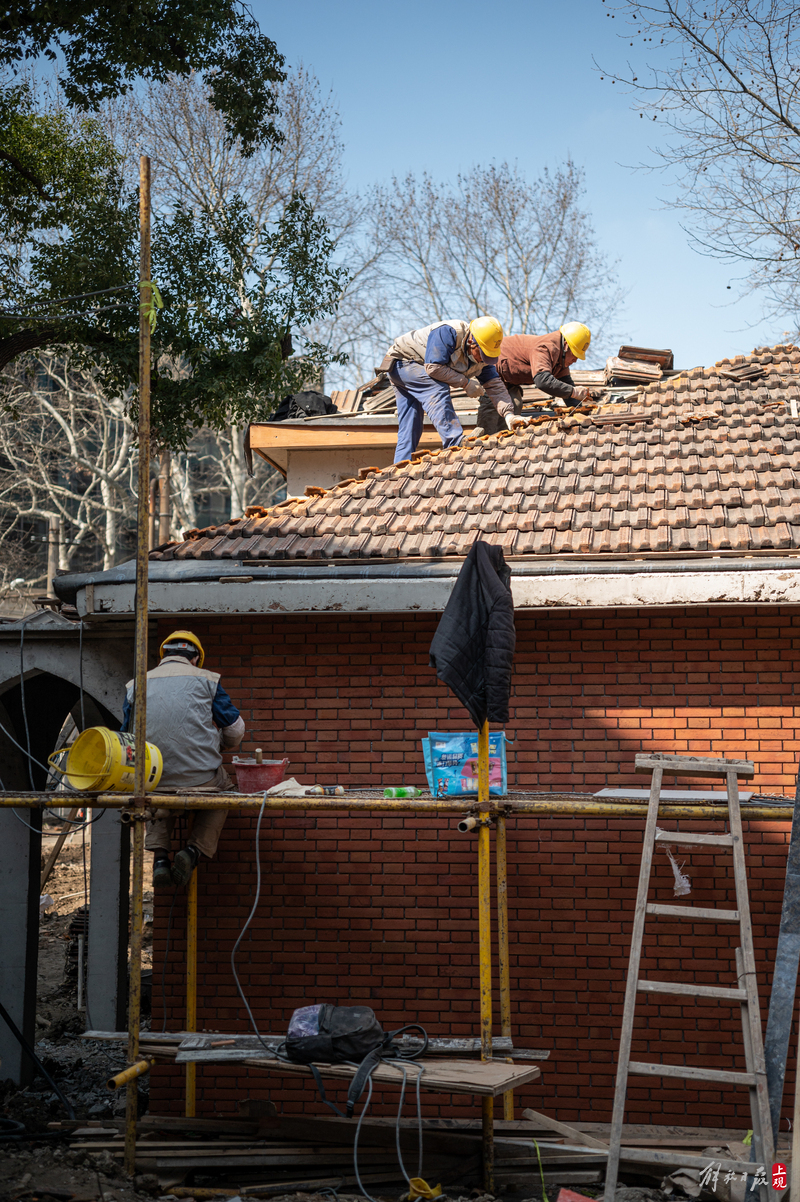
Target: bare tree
{"x": 68, "y": 454}
{"x": 211, "y": 477}
{"x": 494, "y": 242}
{"x": 724, "y": 87}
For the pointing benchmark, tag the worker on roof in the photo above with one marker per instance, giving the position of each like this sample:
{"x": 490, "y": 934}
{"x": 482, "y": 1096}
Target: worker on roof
{"x": 425, "y": 364}
{"x": 191, "y": 719}
{"x": 543, "y": 360}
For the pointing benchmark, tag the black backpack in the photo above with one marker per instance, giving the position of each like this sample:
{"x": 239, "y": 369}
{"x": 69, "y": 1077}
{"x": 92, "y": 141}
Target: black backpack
{"x": 344, "y": 1035}
{"x": 300, "y": 405}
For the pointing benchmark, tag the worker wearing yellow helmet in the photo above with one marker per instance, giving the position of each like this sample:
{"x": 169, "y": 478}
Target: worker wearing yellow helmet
{"x": 543, "y": 360}
{"x": 192, "y": 720}
{"x": 423, "y": 365}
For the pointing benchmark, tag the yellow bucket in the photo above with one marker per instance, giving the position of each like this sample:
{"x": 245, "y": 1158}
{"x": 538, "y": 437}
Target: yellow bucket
{"x": 105, "y": 760}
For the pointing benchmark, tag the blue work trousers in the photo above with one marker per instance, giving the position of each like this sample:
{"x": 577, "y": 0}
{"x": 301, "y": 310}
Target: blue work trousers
{"x": 417, "y": 393}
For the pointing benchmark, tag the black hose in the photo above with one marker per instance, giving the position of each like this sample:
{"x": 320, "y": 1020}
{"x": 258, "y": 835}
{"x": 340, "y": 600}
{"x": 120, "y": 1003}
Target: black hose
{"x": 26, "y": 1047}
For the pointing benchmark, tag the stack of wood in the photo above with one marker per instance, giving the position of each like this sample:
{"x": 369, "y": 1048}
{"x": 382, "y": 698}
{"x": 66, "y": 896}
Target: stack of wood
{"x": 263, "y": 1154}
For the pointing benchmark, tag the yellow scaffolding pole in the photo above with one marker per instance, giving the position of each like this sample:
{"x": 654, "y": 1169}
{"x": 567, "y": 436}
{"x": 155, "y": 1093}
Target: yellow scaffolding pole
{"x": 140, "y": 673}
{"x": 503, "y": 957}
{"x": 554, "y": 806}
{"x": 485, "y": 946}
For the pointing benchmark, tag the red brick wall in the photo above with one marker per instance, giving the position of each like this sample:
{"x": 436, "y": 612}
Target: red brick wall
{"x": 382, "y": 910}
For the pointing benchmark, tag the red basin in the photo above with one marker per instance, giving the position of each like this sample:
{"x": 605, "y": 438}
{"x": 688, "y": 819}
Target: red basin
{"x": 256, "y": 778}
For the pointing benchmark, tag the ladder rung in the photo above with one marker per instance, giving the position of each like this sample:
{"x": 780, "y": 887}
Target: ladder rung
{"x": 696, "y": 913}
{"x": 638, "y": 1068}
{"x": 717, "y": 991}
{"x": 694, "y": 840}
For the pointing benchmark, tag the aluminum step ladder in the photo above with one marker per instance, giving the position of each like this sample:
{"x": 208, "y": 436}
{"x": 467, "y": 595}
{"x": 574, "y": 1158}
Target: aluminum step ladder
{"x": 745, "y": 994}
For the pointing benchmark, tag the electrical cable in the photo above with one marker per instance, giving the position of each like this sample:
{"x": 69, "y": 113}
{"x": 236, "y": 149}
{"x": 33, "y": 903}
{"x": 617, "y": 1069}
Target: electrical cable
{"x": 22, "y": 695}
{"x": 80, "y": 675}
{"x": 250, "y": 916}
{"x": 63, "y": 300}
{"x": 355, "y": 1141}
{"x": 5, "y": 316}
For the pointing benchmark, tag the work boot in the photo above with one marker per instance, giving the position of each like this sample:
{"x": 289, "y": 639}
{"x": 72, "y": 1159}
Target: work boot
{"x": 184, "y": 864}
{"x": 162, "y": 874}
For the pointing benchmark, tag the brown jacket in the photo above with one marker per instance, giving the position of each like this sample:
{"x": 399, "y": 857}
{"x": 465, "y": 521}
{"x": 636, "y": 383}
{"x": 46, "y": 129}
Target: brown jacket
{"x": 523, "y": 356}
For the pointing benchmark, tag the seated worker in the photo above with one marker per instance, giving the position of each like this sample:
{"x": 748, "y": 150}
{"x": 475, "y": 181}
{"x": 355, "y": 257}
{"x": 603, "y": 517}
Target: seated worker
{"x": 424, "y": 364}
{"x": 543, "y": 360}
{"x": 190, "y": 718}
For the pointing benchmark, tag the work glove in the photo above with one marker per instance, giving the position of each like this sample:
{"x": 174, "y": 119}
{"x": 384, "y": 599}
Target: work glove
{"x": 473, "y": 389}
{"x": 580, "y": 395}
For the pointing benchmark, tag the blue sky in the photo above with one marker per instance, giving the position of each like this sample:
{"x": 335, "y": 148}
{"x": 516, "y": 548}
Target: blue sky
{"x": 438, "y": 86}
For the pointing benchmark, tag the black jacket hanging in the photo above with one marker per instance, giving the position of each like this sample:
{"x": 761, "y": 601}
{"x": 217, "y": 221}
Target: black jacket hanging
{"x": 473, "y": 648}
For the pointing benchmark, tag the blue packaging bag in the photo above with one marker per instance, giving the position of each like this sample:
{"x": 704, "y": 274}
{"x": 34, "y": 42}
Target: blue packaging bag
{"x": 451, "y": 764}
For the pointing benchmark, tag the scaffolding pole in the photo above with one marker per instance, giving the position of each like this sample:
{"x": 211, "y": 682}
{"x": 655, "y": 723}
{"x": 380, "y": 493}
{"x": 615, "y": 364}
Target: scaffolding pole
{"x": 503, "y": 955}
{"x": 555, "y": 806}
{"x": 137, "y": 812}
{"x": 485, "y": 946}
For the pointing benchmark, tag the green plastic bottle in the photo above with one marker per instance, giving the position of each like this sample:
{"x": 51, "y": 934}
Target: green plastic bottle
{"x": 402, "y": 791}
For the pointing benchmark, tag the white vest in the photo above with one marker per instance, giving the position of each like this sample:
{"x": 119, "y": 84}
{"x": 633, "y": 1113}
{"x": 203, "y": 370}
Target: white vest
{"x": 180, "y": 723}
{"x": 412, "y": 347}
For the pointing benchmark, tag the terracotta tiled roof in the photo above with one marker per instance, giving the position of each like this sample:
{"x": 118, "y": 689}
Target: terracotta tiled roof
{"x": 698, "y": 462}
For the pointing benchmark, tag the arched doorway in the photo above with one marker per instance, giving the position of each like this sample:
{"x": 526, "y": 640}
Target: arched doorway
{"x": 33, "y": 711}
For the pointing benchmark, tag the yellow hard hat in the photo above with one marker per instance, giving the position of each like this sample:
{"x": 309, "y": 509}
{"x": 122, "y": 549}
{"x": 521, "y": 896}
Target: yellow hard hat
{"x": 577, "y": 337}
{"x": 488, "y": 333}
{"x": 183, "y": 636}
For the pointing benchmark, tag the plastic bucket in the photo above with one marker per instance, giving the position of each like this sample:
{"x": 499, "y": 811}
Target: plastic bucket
{"x": 105, "y": 760}
{"x": 252, "y": 777}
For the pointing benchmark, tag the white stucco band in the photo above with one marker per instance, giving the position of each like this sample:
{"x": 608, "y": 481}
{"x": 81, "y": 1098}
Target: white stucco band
{"x": 430, "y": 594}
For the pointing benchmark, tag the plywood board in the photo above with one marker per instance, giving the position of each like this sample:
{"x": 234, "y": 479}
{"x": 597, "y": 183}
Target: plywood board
{"x": 488, "y": 1079}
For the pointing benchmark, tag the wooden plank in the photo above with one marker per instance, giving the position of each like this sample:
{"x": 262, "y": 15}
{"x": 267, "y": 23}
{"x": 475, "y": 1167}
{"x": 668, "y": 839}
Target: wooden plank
{"x": 695, "y": 913}
{"x": 689, "y": 990}
{"x": 682, "y": 1160}
{"x": 373, "y": 1134}
{"x": 687, "y": 840}
{"x": 165, "y": 1037}
{"x": 489, "y": 1079}
{"x": 693, "y": 765}
{"x": 349, "y": 432}
{"x": 562, "y": 1177}
{"x": 175, "y": 1122}
{"x": 572, "y": 1133}
{"x": 690, "y": 1073}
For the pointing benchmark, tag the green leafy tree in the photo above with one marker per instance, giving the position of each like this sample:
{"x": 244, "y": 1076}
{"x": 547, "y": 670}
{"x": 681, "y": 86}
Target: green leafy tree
{"x": 222, "y": 348}
{"x": 104, "y": 48}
